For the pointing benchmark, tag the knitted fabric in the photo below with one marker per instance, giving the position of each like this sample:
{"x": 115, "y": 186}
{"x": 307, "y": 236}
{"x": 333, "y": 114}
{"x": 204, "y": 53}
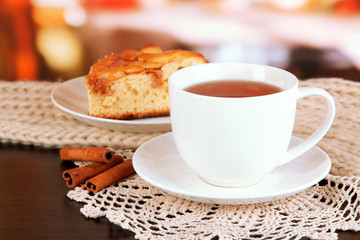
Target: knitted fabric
{"x": 29, "y": 117}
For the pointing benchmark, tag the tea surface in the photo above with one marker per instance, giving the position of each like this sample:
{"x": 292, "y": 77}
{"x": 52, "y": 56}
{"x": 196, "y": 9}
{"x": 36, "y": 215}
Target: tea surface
{"x": 233, "y": 88}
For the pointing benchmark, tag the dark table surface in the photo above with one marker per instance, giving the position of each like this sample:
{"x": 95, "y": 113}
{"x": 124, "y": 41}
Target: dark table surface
{"x": 34, "y": 205}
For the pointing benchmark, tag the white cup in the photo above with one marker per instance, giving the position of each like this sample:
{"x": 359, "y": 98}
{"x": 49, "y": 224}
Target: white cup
{"x": 236, "y": 142}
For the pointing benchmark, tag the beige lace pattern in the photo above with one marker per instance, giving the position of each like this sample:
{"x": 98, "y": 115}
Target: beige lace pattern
{"x": 29, "y": 117}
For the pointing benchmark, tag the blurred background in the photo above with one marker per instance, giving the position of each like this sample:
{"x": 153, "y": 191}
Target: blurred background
{"x": 60, "y": 39}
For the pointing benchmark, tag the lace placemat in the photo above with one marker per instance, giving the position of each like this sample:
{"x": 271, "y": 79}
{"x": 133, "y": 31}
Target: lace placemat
{"x": 28, "y": 117}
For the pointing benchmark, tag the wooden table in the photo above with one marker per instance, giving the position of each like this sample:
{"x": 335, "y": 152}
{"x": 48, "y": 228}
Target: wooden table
{"x": 34, "y": 205}
{"x": 33, "y": 201}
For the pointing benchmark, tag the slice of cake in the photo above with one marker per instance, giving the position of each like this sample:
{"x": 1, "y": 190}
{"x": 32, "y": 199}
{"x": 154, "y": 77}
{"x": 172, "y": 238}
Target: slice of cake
{"x": 134, "y": 83}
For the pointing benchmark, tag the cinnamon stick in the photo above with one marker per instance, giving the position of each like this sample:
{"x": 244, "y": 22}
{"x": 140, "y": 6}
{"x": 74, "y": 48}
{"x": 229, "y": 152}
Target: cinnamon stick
{"x": 110, "y": 176}
{"x": 91, "y": 154}
{"x": 76, "y": 176}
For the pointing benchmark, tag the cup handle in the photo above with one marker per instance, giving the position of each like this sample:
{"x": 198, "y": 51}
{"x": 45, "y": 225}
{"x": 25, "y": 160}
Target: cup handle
{"x": 319, "y": 132}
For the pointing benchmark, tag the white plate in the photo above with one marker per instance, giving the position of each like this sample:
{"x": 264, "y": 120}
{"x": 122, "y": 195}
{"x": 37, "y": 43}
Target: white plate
{"x": 158, "y": 162}
{"x": 71, "y": 97}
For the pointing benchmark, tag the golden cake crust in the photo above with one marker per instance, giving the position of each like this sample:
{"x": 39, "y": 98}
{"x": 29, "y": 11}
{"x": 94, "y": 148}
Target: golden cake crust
{"x": 133, "y": 83}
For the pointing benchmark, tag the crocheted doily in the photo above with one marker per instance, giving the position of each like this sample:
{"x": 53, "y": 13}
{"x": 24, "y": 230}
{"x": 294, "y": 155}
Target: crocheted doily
{"x": 28, "y": 117}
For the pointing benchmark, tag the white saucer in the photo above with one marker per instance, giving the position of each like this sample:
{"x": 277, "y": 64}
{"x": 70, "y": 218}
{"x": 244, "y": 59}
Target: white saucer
{"x": 71, "y": 97}
{"x": 158, "y": 162}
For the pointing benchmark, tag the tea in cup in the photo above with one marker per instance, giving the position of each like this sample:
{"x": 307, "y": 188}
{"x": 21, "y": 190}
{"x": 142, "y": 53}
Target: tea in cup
{"x": 232, "y": 122}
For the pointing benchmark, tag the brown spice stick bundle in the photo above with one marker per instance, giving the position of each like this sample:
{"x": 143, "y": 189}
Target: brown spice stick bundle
{"x": 110, "y": 176}
{"x": 76, "y": 176}
{"x": 91, "y": 154}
